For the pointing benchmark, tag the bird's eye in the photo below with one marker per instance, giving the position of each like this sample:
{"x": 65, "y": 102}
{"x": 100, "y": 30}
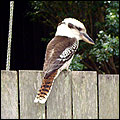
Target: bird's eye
{"x": 70, "y": 25}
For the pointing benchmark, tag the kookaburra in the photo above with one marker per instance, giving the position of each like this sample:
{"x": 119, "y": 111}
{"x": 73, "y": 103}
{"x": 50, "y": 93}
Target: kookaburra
{"x": 59, "y": 53}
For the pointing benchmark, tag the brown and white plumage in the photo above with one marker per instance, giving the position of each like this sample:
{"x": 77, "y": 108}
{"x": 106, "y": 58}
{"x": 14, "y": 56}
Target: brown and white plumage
{"x": 59, "y": 53}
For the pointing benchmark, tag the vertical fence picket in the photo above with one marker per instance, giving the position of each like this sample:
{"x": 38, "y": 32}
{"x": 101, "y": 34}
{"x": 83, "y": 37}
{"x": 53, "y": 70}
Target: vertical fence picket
{"x": 9, "y": 95}
{"x": 59, "y": 100}
{"x": 84, "y": 85}
{"x": 109, "y": 96}
{"x": 29, "y": 83}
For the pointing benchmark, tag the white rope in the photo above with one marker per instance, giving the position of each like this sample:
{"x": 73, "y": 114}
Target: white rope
{"x": 9, "y": 36}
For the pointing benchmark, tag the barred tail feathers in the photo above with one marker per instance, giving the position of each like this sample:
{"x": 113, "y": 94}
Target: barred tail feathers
{"x": 45, "y": 89}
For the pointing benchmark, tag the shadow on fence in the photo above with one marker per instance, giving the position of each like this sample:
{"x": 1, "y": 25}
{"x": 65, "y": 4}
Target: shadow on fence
{"x": 76, "y": 94}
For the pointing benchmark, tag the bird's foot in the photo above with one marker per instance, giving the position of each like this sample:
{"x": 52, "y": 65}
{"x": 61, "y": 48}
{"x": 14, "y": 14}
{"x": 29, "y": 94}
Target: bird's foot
{"x": 67, "y": 70}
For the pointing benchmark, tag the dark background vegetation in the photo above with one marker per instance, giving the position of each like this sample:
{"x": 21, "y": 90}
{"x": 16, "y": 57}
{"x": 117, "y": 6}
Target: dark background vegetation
{"x": 34, "y": 25}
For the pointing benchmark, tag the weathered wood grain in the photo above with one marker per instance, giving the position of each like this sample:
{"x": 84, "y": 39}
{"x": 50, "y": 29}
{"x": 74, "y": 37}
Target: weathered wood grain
{"x": 74, "y": 95}
{"x": 30, "y": 82}
{"x": 84, "y": 86}
{"x": 59, "y": 100}
{"x": 109, "y": 96}
{"x": 9, "y": 95}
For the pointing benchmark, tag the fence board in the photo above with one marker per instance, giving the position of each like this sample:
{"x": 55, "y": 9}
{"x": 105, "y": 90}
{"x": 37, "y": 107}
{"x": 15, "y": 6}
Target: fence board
{"x": 59, "y": 101}
{"x": 9, "y": 95}
{"x": 74, "y": 95}
{"x": 84, "y": 85}
{"x": 108, "y": 96}
{"x": 30, "y": 82}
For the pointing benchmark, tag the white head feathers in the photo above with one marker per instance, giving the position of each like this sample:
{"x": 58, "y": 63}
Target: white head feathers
{"x": 64, "y": 28}
{"x": 74, "y": 22}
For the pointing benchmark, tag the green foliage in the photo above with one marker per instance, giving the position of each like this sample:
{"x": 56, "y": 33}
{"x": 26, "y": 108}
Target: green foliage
{"x": 112, "y": 19}
{"x": 76, "y": 63}
{"x": 105, "y": 47}
{"x": 107, "y": 41}
{"x": 101, "y": 19}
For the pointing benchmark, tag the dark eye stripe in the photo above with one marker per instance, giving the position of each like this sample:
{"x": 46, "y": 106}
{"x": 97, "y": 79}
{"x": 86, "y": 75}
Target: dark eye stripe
{"x": 70, "y": 25}
{"x": 79, "y": 28}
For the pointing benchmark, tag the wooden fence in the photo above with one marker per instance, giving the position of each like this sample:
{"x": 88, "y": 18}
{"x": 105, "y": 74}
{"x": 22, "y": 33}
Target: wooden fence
{"x": 76, "y": 94}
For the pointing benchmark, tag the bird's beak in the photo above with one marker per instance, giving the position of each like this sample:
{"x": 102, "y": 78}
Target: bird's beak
{"x": 86, "y": 38}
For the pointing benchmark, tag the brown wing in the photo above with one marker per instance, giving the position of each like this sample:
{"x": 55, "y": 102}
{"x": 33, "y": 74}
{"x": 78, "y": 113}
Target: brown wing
{"x": 54, "y": 49}
{"x": 54, "y": 59}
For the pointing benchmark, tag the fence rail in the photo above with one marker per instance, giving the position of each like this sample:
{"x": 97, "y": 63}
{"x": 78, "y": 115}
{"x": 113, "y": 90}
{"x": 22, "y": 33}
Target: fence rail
{"x": 76, "y": 94}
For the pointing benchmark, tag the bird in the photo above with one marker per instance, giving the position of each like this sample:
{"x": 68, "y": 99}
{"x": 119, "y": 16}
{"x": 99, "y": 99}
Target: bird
{"x": 60, "y": 52}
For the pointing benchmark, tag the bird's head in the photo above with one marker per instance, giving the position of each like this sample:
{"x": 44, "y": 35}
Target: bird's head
{"x": 73, "y": 28}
